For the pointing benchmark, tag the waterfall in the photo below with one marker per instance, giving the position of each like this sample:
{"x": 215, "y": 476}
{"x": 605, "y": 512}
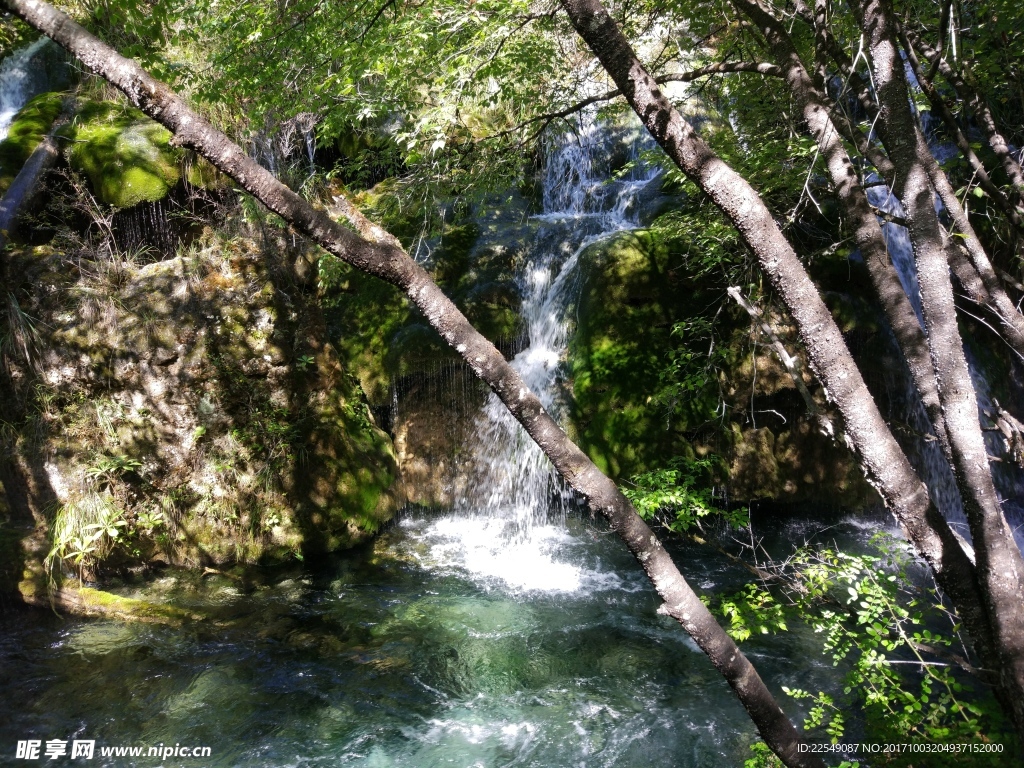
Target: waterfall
{"x": 515, "y": 482}
{"x": 926, "y": 455}
{"x": 20, "y": 80}
{"x": 506, "y": 528}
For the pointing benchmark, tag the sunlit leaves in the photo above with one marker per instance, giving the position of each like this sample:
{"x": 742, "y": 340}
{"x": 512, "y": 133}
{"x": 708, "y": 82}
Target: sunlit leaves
{"x": 900, "y": 654}
{"x": 680, "y": 497}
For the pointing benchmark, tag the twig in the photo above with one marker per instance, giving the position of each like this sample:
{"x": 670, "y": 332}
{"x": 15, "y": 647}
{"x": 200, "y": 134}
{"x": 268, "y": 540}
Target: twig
{"x": 791, "y": 363}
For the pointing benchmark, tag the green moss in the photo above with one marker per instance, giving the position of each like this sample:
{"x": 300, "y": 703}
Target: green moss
{"x": 127, "y": 608}
{"x": 355, "y": 470}
{"x": 632, "y": 295}
{"x": 663, "y": 366}
{"x": 29, "y": 127}
{"x": 364, "y": 315}
{"x": 127, "y": 157}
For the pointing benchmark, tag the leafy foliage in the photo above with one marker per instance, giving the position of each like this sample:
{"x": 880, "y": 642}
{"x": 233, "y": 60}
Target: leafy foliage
{"x": 905, "y": 669}
{"x": 680, "y": 497}
{"x": 84, "y": 531}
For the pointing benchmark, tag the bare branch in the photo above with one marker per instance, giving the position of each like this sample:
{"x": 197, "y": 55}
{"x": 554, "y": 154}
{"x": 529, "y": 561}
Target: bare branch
{"x": 727, "y": 67}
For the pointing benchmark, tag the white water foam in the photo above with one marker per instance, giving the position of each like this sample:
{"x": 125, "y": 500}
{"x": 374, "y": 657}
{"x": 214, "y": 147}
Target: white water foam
{"x": 479, "y": 547}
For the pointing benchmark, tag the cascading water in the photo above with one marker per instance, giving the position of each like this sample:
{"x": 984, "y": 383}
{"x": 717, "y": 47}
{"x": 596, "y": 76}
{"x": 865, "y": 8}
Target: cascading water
{"x": 500, "y": 528}
{"x": 517, "y": 482}
{"x": 20, "y": 80}
{"x": 926, "y": 455}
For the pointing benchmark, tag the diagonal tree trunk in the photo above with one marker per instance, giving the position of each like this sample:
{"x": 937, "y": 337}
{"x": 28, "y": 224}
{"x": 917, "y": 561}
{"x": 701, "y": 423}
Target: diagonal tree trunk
{"x": 1000, "y": 567}
{"x": 987, "y": 285}
{"x": 885, "y": 463}
{"x": 385, "y": 260}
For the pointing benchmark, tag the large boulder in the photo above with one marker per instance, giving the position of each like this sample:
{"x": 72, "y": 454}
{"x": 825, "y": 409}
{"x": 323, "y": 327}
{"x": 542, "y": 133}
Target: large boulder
{"x": 193, "y": 411}
{"x": 664, "y": 366}
{"x": 127, "y": 157}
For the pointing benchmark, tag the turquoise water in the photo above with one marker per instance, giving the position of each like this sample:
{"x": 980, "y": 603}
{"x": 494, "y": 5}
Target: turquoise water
{"x": 444, "y": 645}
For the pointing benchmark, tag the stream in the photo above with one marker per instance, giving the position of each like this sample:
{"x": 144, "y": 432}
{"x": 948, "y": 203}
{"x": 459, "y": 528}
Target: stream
{"x": 440, "y": 646}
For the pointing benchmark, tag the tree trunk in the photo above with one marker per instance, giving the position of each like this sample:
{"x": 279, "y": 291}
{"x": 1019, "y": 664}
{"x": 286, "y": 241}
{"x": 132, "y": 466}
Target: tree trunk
{"x": 1000, "y": 567}
{"x": 983, "y": 288}
{"x": 388, "y": 262}
{"x": 898, "y": 310}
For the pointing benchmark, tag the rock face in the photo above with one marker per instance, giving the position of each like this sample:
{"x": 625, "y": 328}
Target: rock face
{"x": 648, "y": 307}
{"x": 191, "y": 411}
{"x": 428, "y": 397}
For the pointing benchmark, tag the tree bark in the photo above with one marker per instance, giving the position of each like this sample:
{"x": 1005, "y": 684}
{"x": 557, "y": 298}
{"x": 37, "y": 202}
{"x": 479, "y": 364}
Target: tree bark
{"x": 1000, "y": 567}
{"x": 388, "y": 262}
{"x": 898, "y": 311}
{"x": 983, "y": 287}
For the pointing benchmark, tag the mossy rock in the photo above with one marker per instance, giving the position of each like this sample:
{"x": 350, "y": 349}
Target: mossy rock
{"x": 641, "y": 292}
{"x": 364, "y": 315}
{"x": 97, "y": 602}
{"x": 127, "y": 157}
{"x": 345, "y": 494}
{"x": 29, "y": 127}
{"x": 630, "y": 298}
{"x": 251, "y": 440}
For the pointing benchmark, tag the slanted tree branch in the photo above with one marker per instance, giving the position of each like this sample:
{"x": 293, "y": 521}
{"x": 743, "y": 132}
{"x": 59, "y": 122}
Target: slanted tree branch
{"x": 983, "y": 286}
{"x": 973, "y": 99}
{"x": 1012, "y": 212}
{"x": 894, "y": 301}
